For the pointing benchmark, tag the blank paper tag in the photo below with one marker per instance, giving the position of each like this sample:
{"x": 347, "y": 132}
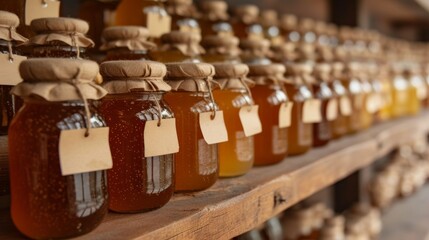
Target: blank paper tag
{"x": 158, "y": 24}
{"x": 250, "y": 120}
{"x": 285, "y": 114}
{"x": 345, "y": 106}
{"x": 332, "y": 109}
{"x": 80, "y": 154}
{"x": 312, "y": 112}
{"x": 160, "y": 140}
{"x": 9, "y": 71}
{"x": 213, "y": 130}
{"x": 38, "y": 9}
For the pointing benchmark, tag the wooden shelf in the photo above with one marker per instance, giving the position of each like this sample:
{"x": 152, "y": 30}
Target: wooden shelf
{"x": 234, "y": 206}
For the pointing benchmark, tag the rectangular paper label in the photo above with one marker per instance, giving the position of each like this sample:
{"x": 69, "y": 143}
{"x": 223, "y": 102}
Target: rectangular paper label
{"x": 250, "y": 120}
{"x": 41, "y": 9}
{"x": 332, "y": 109}
{"x": 213, "y": 130}
{"x": 9, "y": 71}
{"x": 285, "y": 114}
{"x": 162, "y": 139}
{"x": 345, "y": 106}
{"x": 80, "y": 154}
{"x": 158, "y": 24}
{"x": 312, "y": 111}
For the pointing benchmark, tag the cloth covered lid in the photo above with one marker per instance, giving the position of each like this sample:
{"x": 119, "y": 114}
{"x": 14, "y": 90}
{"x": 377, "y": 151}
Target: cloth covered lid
{"x": 186, "y": 42}
{"x": 227, "y": 45}
{"x": 215, "y": 10}
{"x": 247, "y": 13}
{"x": 288, "y": 22}
{"x": 129, "y": 76}
{"x": 269, "y": 18}
{"x": 267, "y": 73}
{"x": 130, "y": 37}
{"x": 55, "y": 79}
{"x": 8, "y": 23}
{"x": 232, "y": 76}
{"x": 70, "y": 31}
{"x": 193, "y": 77}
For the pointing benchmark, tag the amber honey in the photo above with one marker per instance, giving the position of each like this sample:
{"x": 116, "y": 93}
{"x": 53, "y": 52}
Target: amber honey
{"x": 354, "y": 123}
{"x": 272, "y": 143}
{"x": 339, "y": 125}
{"x": 136, "y": 183}
{"x": 300, "y": 134}
{"x": 45, "y": 204}
{"x": 131, "y": 12}
{"x": 400, "y": 96}
{"x": 322, "y": 131}
{"x": 169, "y": 56}
{"x": 236, "y": 156}
{"x": 366, "y": 116}
{"x": 123, "y": 54}
{"x": 196, "y": 164}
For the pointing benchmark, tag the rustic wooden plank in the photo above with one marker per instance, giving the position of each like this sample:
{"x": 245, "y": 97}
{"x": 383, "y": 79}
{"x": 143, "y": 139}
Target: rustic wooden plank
{"x": 236, "y": 205}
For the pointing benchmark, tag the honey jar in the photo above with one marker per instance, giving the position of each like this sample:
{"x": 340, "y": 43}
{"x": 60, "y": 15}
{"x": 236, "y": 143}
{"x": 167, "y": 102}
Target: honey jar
{"x": 214, "y": 21}
{"x": 344, "y": 108}
{"x": 245, "y": 22}
{"x": 220, "y": 48}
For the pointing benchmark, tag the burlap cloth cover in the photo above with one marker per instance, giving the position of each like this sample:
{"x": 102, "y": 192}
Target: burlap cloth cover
{"x": 215, "y": 10}
{"x": 56, "y": 79}
{"x": 224, "y": 45}
{"x": 254, "y": 48}
{"x": 8, "y": 24}
{"x": 129, "y": 76}
{"x": 182, "y": 8}
{"x": 247, "y": 13}
{"x": 67, "y": 30}
{"x": 130, "y": 37}
{"x": 187, "y": 43}
{"x": 288, "y": 22}
{"x": 232, "y": 76}
{"x": 267, "y": 73}
{"x": 269, "y": 18}
{"x": 190, "y": 77}
{"x": 322, "y": 72}
{"x": 299, "y": 73}
{"x": 284, "y": 52}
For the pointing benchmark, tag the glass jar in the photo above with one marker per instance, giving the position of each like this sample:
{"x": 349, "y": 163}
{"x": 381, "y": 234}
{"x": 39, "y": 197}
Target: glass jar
{"x": 354, "y": 87}
{"x": 183, "y": 14}
{"x": 400, "y": 92}
{"x": 178, "y": 46}
{"x": 136, "y": 183}
{"x": 236, "y": 156}
{"x": 214, "y": 21}
{"x": 245, "y": 24}
{"x": 9, "y": 104}
{"x": 197, "y": 163}
{"x": 270, "y": 95}
{"x": 339, "y": 125}
{"x": 385, "y": 112}
{"x": 369, "y": 99}
{"x": 289, "y": 28}
{"x": 126, "y": 43}
{"x": 417, "y": 92}
{"x": 270, "y": 24}
{"x": 322, "y": 131}
{"x": 59, "y": 38}
{"x": 48, "y": 201}
{"x": 255, "y": 51}
{"x": 300, "y": 133}
{"x": 221, "y": 49}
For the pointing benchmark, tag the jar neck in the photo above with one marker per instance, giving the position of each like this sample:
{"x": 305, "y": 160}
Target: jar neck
{"x": 136, "y": 96}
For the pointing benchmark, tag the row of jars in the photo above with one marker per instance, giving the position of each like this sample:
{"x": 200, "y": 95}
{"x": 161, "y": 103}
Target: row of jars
{"x": 219, "y": 119}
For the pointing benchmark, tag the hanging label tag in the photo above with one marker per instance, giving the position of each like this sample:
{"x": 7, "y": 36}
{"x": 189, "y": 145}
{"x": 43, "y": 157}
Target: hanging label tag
{"x": 160, "y": 140}
{"x": 285, "y": 114}
{"x": 312, "y": 112}
{"x": 345, "y": 106}
{"x": 80, "y": 154}
{"x": 250, "y": 120}
{"x": 9, "y": 71}
{"x": 372, "y": 103}
{"x": 41, "y": 9}
{"x": 332, "y": 109}
{"x": 213, "y": 130}
{"x": 158, "y": 24}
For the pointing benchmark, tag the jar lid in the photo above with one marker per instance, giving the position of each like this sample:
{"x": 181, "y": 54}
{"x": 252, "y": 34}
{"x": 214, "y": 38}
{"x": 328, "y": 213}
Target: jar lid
{"x": 247, "y": 13}
{"x": 232, "y": 76}
{"x": 288, "y": 22}
{"x": 306, "y": 24}
{"x": 130, "y": 37}
{"x": 269, "y": 18}
{"x": 183, "y": 8}
{"x": 134, "y": 75}
{"x": 227, "y": 45}
{"x": 191, "y": 77}
{"x": 56, "y": 79}
{"x": 265, "y": 73}
{"x": 8, "y": 23}
{"x": 254, "y": 48}
{"x": 215, "y": 10}
{"x": 185, "y": 42}
{"x": 70, "y": 31}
